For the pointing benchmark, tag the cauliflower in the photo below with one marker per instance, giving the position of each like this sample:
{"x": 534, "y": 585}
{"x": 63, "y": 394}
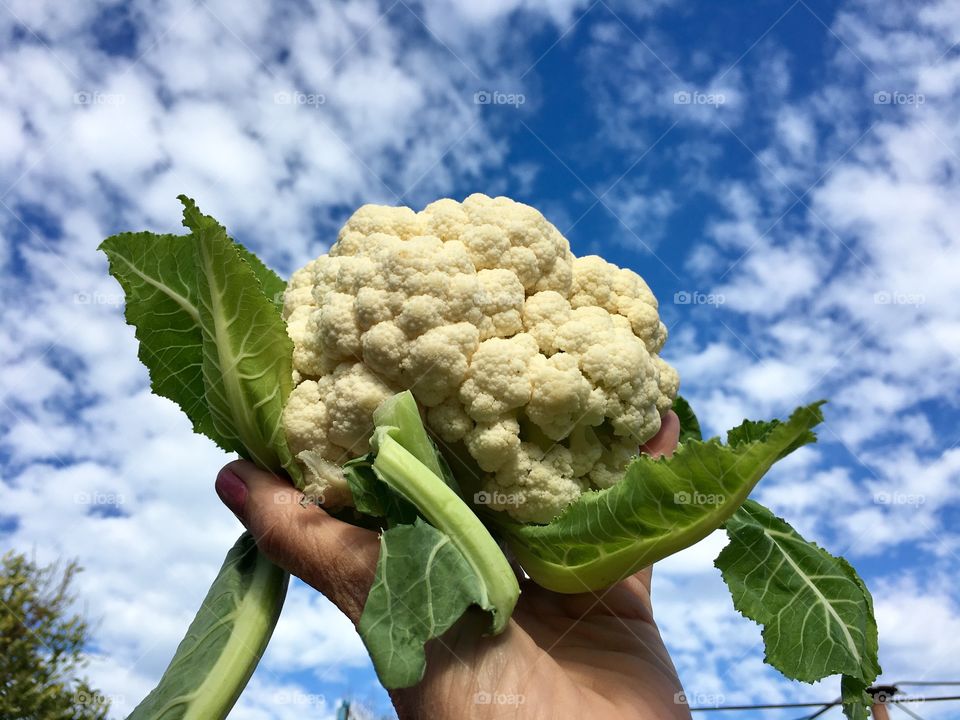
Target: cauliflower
{"x": 543, "y": 365}
{"x": 465, "y": 334}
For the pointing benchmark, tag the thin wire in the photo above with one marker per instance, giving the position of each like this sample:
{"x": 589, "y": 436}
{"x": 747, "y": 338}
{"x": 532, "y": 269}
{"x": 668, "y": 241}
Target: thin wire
{"x": 821, "y": 711}
{"x": 825, "y": 705}
{"x": 818, "y": 713}
{"x": 760, "y": 707}
{"x": 908, "y": 711}
{"x": 927, "y": 682}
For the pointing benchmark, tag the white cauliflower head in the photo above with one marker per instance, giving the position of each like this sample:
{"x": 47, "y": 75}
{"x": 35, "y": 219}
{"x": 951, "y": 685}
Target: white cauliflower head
{"x": 544, "y": 365}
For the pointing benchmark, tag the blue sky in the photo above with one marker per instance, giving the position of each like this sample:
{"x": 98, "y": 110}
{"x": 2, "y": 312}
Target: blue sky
{"x": 785, "y": 175}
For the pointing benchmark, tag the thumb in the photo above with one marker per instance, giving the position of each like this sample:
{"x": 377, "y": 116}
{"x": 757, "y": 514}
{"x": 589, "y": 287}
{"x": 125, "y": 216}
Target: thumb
{"x": 666, "y": 439}
{"x": 334, "y": 557}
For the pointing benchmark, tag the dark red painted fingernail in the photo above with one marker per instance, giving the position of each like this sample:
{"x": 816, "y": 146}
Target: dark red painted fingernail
{"x": 232, "y": 491}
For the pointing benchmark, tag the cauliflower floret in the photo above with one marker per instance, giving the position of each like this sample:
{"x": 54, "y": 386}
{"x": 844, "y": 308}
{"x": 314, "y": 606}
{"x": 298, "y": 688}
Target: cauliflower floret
{"x": 668, "y": 383}
{"x": 545, "y": 366}
{"x": 543, "y": 313}
{"x": 299, "y": 291}
{"x": 533, "y": 485}
{"x": 439, "y": 360}
{"x": 306, "y": 420}
{"x": 501, "y": 302}
{"x": 598, "y": 283}
{"x": 498, "y": 379}
{"x": 560, "y": 394}
{"x": 332, "y": 418}
{"x": 608, "y": 469}
{"x": 449, "y": 420}
{"x": 493, "y": 443}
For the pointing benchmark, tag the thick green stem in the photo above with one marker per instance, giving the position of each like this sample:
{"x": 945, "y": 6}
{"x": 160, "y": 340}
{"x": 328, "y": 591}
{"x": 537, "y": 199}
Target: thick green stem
{"x": 444, "y": 509}
{"x": 401, "y": 412}
{"x": 225, "y": 640}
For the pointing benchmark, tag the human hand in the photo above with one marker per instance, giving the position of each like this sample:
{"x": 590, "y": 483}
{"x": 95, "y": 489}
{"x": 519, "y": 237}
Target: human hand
{"x": 585, "y": 655}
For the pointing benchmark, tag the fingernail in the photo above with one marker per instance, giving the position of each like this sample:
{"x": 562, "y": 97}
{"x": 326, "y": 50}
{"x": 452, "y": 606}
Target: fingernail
{"x": 232, "y": 491}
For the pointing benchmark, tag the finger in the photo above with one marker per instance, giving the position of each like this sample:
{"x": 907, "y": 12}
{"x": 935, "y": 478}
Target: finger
{"x": 640, "y": 584}
{"x": 334, "y": 557}
{"x": 645, "y": 578}
{"x": 666, "y": 439}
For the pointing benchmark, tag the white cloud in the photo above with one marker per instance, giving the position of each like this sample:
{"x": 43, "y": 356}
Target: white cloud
{"x": 919, "y": 625}
{"x": 796, "y": 131}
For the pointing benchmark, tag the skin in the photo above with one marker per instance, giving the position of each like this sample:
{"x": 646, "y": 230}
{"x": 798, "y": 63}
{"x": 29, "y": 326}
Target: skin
{"x": 587, "y": 655}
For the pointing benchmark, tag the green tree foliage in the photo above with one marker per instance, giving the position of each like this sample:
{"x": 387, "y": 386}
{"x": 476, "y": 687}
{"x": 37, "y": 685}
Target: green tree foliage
{"x": 41, "y": 644}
